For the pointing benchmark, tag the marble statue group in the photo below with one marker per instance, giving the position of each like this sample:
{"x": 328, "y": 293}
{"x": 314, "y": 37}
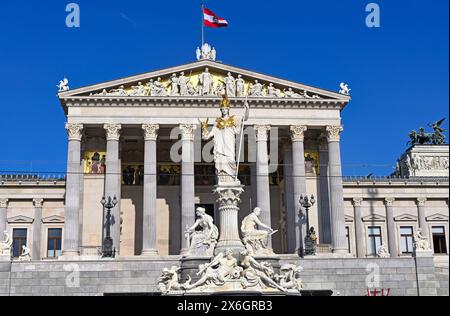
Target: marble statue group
{"x": 233, "y": 264}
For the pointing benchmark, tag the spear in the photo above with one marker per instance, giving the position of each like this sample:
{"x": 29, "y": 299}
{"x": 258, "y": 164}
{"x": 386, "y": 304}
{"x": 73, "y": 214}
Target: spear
{"x": 244, "y": 118}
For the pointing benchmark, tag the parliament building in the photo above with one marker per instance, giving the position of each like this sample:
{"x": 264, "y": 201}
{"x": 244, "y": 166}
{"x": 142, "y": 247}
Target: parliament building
{"x": 139, "y": 139}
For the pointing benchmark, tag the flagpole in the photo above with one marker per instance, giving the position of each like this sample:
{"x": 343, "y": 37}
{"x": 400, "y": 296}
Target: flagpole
{"x": 203, "y": 25}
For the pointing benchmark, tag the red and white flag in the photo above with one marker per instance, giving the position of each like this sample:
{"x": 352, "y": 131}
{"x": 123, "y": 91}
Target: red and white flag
{"x": 212, "y": 20}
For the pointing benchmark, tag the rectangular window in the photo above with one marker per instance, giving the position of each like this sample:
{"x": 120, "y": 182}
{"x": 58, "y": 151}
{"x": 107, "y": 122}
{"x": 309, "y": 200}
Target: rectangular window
{"x": 406, "y": 239}
{"x": 374, "y": 239}
{"x": 54, "y": 242}
{"x": 439, "y": 243}
{"x": 19, "y": 240}
{"x": 347, "y": 236}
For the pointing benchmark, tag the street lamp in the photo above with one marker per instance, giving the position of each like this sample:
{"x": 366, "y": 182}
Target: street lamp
{"x": 107, "y": 249}
{"x": 307, "y": 202}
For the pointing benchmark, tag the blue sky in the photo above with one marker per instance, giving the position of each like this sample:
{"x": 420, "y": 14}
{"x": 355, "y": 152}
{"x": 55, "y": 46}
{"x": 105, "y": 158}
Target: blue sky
{"x": 398, "y": 73}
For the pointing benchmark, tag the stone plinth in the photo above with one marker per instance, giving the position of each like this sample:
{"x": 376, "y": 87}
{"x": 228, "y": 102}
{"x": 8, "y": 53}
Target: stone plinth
{"x": 4, "y": 258}
{"x": 190, "y": 267}
{"x": 274, "y": 261}
{"x": 423, "y": 253}
{"x": 228, "y": 197}
{"x": 424, "y": 161}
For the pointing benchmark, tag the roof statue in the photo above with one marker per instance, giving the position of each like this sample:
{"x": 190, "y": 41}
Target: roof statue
{"x": 344, "y": 89}
{"x": 421, "y": 137}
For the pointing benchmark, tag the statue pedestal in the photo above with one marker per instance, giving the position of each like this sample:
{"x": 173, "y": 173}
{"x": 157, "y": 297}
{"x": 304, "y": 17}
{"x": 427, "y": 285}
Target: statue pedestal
{"x": 4, "y": 258}
{"x": 228, "y": 197}
{"x": 190, "y": 267}
{"x": 422, "y": 253}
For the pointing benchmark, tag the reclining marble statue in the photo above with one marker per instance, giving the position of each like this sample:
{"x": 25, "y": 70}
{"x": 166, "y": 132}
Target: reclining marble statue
{"x": 256, "y": 240}
{"x": 6, "y": 244}
{"x": 222, "y": 268}
{"x": 202, "y": 236}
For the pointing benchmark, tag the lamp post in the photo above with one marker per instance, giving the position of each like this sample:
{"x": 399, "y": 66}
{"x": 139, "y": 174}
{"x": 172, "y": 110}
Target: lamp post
{"x": 107, "y": 249}
{"x": 307, "y": 202}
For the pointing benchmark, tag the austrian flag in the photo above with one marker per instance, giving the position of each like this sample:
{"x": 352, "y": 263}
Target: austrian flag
{"x": 212, "y": 20}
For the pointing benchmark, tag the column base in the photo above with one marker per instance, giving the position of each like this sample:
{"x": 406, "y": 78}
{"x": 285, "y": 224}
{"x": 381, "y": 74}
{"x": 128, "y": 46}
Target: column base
{"x": 341, "y": 252}
{"x": 149, "y": 253}
{"x": 70, "y": 253}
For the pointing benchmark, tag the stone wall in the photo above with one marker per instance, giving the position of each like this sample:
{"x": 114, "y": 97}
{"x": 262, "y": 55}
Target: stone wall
{"x": 346, "y": 277}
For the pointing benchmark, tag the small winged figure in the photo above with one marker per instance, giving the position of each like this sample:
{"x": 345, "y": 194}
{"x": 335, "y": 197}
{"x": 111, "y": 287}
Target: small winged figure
{"x": 63, "y": 85}
{"x": 438, "y": 137}
{"x": 344, "y": 89}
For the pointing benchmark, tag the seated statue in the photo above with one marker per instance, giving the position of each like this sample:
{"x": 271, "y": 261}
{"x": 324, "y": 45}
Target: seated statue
{"x": 25, "y": 255}
{"x": 420, "y": 241}
{"x": 222, "y": 267}
{"x": 6, "y": 244}
{"x": 383, "y": 252}
{"x": 202, "y": 236}
{"x": 256, "y": 240}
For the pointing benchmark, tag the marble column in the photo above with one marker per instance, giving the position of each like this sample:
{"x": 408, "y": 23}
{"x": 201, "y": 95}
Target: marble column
{"x": 3, "y": 216}
{"x": 262, "y": 173}
{"x": 73, "y": 184}
{"x": 392, "y": 236}
{"x": 422, "y": 216}
{"x": 338, "y": 240}
{"x": 324, "y": 207}
{"x": 149, "y": 218}
{"x": 187, "y": 182}
{"x": 37, "y": 229}
{"x": 113, "y": 178}
{"x": 359, "y": 229}
{"x": 298, "y": 183}
{"x": 289, "y": 201}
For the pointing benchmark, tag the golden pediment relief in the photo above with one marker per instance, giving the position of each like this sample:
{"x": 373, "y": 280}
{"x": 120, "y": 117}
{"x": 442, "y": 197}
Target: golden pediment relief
{"x": 206, "y": 83}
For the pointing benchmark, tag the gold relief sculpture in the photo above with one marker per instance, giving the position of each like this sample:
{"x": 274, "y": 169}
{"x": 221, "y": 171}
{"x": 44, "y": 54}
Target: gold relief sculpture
{"x": 312, "y": 162}
{"x": 94, "y": 162}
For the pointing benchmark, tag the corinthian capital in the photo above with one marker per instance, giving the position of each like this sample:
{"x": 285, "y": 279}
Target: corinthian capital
{"x": 74, "y": 131}
{"x": 150, "y": 131}
{"x": 3, "y": 203}
{"x": 187, "y": 131}
{"x": 421, "y": 201}
{"x": 298, "y": 132}
{"x": 389, "y": 201}
{"x": 334, "y": 132}
{"x": 112, "y": 131}
{"x": 38, "y": 202}
{"x": 261, "y": 132}
{"x": 357, "y": 201}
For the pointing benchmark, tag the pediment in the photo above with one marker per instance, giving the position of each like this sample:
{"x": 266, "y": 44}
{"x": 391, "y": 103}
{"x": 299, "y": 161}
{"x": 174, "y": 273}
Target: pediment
{"x": 20, "y": 219}
{"x": 374, "y": 218}
{"x": 53, "y": 219}
{"x": 348, "y": 218}
{"x": 405, "y": 218}
{"x": 437, "y": 218}
{"x": 143, "y": 86}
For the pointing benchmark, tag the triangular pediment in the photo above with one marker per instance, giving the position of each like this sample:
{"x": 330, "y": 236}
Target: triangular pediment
{"x": 373, "y": 218}
{"x": 405, "y": 218}
{"x": 20, "y": 219}
{"x": 53, "y": 219}
{"x": 437, "y": 218}
{"x": 158, "y": 84}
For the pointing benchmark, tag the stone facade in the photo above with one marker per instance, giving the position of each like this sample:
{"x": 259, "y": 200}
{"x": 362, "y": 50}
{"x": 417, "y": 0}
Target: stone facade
{"x": 150, "y": 156}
